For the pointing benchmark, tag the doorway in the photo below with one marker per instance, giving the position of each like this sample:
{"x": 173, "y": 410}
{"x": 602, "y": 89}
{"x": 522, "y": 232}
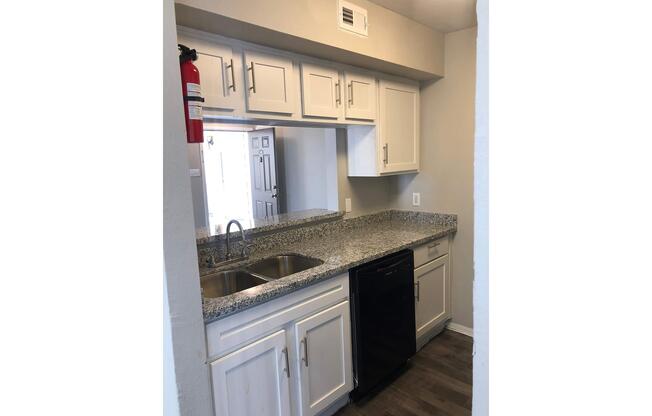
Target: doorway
{"x": 225, "y": 162}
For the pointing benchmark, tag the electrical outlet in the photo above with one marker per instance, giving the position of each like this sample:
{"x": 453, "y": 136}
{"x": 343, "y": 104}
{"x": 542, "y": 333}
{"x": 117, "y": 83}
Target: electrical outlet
{"x": 416, "y": 199}
{"x": 347, "y": 204}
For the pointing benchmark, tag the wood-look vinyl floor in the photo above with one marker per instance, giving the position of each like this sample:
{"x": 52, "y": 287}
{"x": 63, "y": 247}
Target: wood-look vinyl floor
{"x": 436, "y": 382}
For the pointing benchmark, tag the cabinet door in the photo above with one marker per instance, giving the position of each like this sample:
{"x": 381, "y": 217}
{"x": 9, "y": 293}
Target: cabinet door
{"x": 361, "y": 99}
{"x": 254, "y": 380}
{"x": 323, "y": 343}
{"x": 432, "y": 297}
{"x": 217, "y": 76}
{"x": 399, "y": 127}
{"x": 270, "y": 85}
{"x": 321, "y": 91}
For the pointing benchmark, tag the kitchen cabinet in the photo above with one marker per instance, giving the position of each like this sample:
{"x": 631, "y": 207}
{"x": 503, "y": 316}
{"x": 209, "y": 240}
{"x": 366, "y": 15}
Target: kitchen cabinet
{"x": 324, "y": 358}
{"x": 269, "y": 83}
{"x": 361, "y": 100}
{"x": 253, "y": 380}
{"x": 392, "y": 145}
{"x": 217, "y": 76}
{"x": 398, "y": 129}
{"x": 321, "y": 91}
{"x": 432, "y": 281}
{"x": 297, "y": 346}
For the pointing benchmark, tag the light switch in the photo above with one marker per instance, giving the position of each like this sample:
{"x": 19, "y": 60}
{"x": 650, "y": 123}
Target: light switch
{"x": 195, "y": 172}
{"x": 416, "y": 199}
{"x": 347, "y": 204}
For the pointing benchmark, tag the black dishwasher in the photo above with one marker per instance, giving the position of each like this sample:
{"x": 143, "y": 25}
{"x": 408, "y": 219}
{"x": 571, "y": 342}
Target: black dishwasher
{"x": 382, "y": 315}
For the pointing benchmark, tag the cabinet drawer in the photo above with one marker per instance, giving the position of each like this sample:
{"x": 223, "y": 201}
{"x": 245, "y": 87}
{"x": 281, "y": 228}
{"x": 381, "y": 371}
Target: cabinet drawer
{"x": 224, "y": 335}
{"x": 430, "y": 251}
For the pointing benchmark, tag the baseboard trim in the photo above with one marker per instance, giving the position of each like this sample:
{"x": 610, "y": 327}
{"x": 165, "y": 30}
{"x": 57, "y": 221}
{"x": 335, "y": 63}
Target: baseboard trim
{"x": 460, "y": 329}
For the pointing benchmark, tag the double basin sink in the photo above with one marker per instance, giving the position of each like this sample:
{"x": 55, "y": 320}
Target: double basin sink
{"x": 226, "y": 282}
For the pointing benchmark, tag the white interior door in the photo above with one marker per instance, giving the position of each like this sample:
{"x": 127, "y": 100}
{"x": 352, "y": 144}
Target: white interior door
{"x": 217, "y": 76}
{"x": 432, "y": 294}
{"x": 323, "y": 343}
{"x": 399, "y": 127}
{"x": 270, "y": 83}
{"x": 254, "y": 380}
{"x": 321, "y": 91}
{"x": 264, "y": 186}
{"x": 361, "y": 99}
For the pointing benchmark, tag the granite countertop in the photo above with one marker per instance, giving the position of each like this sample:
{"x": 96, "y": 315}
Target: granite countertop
{"x": 340, "y": 251}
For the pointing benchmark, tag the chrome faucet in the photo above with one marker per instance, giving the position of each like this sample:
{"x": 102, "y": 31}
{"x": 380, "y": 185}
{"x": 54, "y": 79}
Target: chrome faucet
{"x": 228, "y": 239}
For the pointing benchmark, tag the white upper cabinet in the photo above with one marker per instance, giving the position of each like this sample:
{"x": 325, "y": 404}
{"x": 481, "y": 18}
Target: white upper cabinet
{"x": 361, "y": 99}
{"x": 253, "y": 380}
{"x": 321, "y": 91}
{"x": 217, "y": 74}
{"x": 323, "y": 344}
{"x": 392, "y": 146}
{"x": 217, "y": 77}
{"x": 269, "y": 83}
{"x": 399, "y": 126}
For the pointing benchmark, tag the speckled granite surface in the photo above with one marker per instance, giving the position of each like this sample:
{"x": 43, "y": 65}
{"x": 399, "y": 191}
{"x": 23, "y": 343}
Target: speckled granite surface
{"x": 276, "y": 222}
{"x": 340, "y": 244}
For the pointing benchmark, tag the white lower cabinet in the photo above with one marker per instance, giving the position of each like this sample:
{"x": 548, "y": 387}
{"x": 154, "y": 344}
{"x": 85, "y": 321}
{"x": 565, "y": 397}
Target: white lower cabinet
{"x": 289, "y": 356}
{"x": 323, "y": 344}
{"x": 432, "y": 296}
{"x": 253, "y": 380}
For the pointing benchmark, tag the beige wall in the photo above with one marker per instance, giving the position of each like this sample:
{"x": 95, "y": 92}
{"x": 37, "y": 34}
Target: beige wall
{"x": 446, "y": 177}
{"x": 395, "y": 43}
{"x": 367, "y": 194}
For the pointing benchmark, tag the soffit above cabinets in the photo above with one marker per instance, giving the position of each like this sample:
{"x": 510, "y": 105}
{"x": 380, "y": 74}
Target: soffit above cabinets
{"x": 394, "y": 44}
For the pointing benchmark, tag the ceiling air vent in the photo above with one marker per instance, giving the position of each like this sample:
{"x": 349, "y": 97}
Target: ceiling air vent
{"x": 352, "y": 18}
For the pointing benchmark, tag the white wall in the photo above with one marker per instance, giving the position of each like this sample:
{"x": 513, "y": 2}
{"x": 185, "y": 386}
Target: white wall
{"x": 183, "y": 311}
{"x": 197, "y": 186}
{"x": 481, "y": 231}
{"x": 445, "y": 180}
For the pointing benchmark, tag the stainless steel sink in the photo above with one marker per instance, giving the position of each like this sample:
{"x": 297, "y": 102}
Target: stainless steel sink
{"x": 283, "y": 265}
{"x": 227, "y": 282}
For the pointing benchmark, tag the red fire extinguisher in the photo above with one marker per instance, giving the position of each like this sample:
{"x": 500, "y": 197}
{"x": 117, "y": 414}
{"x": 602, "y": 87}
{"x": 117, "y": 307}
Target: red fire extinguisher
{"x": 192, "y": 98}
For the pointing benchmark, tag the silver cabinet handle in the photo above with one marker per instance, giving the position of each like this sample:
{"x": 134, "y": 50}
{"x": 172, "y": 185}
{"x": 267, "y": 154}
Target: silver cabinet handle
{"x": 286, "y": 370}
{"x": 232, "y": 86}
{"x": 385, "y": 153}
{"x": 338, "y": 94}
{"x": 350, "y": 86}
{"x": 304, "y": 341}
{"x": 433, "y": 245}
{"x": 418, "y": 285}
{"x": 253, "y": 78}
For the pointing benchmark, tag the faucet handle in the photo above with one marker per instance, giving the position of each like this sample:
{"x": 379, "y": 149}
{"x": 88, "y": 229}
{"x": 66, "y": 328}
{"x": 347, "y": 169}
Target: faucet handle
{"x": 245, "y": 249}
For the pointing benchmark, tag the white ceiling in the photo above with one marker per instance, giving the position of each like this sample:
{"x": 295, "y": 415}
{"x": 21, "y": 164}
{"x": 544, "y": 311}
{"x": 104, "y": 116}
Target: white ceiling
{"x": 441, "y": 15}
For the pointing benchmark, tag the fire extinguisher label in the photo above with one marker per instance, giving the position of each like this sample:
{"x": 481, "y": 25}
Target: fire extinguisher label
{"x": 194, "y": 111}
{"x": 194, "y": 90}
